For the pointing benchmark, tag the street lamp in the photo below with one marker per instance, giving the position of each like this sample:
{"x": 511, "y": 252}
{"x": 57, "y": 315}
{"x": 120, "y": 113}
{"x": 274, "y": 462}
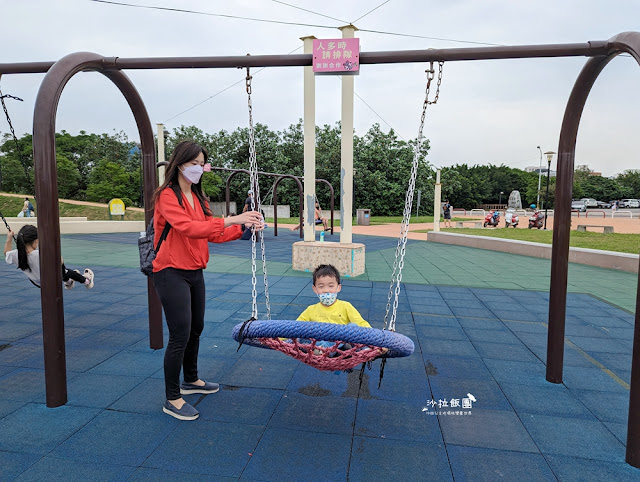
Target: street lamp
{"x": 539, "y": 177}
{"x": 500, "y": 201}
{"x": 549, "y": 155}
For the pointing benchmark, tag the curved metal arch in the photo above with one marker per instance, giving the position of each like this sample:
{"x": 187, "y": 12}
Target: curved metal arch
{"x": 227, "y": 191}
{"x": 331, "y": 198}
{"x": 46, "y": 183}
{"x": 275, "y": 202}
{"x": 627, "y": 42}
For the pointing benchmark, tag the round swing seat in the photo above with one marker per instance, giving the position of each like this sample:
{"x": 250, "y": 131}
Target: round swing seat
{"x": 350, "y": 345}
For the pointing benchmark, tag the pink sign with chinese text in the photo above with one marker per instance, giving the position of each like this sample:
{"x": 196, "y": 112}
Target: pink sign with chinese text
{"x": 336, "y": 56}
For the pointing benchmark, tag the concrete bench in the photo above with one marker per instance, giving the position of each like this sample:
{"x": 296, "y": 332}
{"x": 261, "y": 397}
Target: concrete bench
{"x": 583, "y": 227}
{"x": 476, "y": 224}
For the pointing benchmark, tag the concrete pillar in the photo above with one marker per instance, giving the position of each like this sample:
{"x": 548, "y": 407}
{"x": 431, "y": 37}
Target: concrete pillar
{"x": 161, "y": 156}
{"x": 309, "y": 122}
{"x": 437, "y": 199}
{"x": 346, "y": 154}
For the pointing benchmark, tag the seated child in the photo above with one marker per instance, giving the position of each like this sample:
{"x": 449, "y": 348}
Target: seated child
{"x": 326, "y": 284}
{"x": 27, "y": 258}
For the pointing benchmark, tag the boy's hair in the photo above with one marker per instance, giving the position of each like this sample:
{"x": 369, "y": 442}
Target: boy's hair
{"x": 27, "y": 235}
{"x": 326, "y": 270}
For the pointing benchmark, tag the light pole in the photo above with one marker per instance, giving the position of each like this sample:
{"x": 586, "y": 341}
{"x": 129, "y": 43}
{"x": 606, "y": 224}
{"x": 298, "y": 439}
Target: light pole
{"x": 539, "y": 177}
{"x": 549, "y": 155}
{"x": 500, "y": 201}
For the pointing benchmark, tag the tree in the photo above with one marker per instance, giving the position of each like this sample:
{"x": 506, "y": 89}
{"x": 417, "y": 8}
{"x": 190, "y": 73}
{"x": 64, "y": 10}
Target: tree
{"x": 17, "y": 164}
{"x": 68, "y": 177}
{"x": 602, "y": 188}
{"x": 629, "y": 182}
{"x": 110, "y": 180}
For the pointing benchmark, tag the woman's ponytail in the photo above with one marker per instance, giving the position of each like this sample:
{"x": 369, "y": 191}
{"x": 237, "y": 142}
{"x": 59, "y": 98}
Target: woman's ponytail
{"x": 27, "y": 235}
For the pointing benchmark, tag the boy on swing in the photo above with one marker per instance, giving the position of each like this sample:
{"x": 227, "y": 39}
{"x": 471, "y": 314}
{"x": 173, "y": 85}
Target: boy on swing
{"x": 326, "y": 284}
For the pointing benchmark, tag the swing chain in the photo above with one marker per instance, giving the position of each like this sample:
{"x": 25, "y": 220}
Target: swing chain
{"x": 255, "y": 206}
{"x": 13, "y": 132}
{"x": 404, "y": 229}
{"x": 248, "y": 82}
{"x": 430, "y": 76}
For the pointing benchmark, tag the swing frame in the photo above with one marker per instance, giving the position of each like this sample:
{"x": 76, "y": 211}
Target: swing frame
{"x": 58, "y": 73}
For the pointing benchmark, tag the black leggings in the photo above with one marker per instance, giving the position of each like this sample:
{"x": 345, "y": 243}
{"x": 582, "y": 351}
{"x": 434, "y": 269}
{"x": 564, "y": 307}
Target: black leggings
{"x": 182, "y": 295}
{"x": 68, "y": 274}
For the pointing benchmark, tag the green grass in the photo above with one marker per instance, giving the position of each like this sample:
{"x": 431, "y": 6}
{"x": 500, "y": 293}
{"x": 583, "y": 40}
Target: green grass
{"x": 623, "y": 243}
{"x": 10, "y": 207}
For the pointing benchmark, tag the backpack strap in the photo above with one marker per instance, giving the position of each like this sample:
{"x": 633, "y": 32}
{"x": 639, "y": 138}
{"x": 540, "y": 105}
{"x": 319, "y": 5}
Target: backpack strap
{"x": 163, "y": 236}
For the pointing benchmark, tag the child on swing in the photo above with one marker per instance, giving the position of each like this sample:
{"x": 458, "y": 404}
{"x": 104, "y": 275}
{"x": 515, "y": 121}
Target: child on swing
{"x": 326, "y": 285}
{"x": 27, "y": 258}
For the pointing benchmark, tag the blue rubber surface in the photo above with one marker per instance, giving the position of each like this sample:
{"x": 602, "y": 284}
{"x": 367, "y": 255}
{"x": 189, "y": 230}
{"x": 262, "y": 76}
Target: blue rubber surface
{"x": 398, "y": 345}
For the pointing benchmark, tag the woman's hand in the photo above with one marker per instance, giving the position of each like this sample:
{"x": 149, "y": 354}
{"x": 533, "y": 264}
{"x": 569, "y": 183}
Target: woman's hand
{"x": 249, "y": 219}
{"x": 10, "y": 235}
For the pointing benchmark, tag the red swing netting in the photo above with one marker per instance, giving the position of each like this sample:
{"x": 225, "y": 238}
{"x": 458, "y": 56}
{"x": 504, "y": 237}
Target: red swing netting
{"x": 331, "y": 358}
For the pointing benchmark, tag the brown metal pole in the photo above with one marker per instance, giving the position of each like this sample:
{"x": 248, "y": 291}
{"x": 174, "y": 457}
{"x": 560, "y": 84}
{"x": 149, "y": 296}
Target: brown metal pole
{"x": 150, "y": 183}
{"x": 47, "y": 193}
{"x": 301, "y": 199}
{"x": 275, "y": 204}
{"x": 331, "y": 198}
{"x": 624, "y": 42}
{"x": 562, "y": 216}
{"x": 46, "y": 180}
{"x": 589, "y": 49}
{"x": 633, "y": 423}
{"x": 275, "y": 209}
{"x": 630, "y": 42}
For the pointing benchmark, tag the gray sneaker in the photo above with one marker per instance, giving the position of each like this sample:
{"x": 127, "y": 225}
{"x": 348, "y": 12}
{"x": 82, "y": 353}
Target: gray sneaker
{"x": 187, "y": 412}
{"x": 189, "y": 388}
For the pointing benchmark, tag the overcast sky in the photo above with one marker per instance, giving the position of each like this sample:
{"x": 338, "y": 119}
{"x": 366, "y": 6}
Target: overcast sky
{"x": 494, "y": 112}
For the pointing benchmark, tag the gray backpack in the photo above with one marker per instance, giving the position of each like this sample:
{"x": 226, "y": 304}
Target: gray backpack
{"x": 146, "y": 248}
{"x": 145, "y": 243}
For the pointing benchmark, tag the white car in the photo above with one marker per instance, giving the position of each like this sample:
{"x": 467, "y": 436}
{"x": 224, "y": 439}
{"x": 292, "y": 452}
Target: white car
{"x": 589, "y": 202}
{"x": 578, "y": 206}
{"x": 630, "y": 203}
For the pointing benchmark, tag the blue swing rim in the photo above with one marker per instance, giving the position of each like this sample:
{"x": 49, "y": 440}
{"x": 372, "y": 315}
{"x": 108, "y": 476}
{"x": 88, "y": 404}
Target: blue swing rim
{"x": 250, "y": 333}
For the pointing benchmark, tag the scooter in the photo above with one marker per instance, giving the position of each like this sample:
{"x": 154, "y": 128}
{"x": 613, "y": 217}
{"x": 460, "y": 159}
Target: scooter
{"x": 511, "y": 219}
{"x": 536, "y": 220}
{"x": 492, "y": 219}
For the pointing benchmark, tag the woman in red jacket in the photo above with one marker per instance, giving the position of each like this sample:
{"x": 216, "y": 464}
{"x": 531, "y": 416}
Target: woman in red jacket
{"x": 177, "y": 269}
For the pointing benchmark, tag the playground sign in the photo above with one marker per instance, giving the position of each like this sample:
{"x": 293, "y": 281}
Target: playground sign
{"x": 116, "y": 208}
{"x": 336, "y": 56}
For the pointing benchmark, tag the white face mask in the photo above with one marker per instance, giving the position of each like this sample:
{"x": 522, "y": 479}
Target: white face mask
{"x": 327, "y": 299}
{"x": 193, "y": 173}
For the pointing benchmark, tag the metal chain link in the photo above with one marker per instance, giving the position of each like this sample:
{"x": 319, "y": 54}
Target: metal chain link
{"x": 255, "y": 206}
{"x": 408, "y": 203}
{"x": 13, "y": 133}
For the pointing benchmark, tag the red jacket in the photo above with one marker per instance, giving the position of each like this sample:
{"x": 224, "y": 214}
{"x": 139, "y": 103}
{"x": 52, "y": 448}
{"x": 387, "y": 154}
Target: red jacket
{"x": 186, "y": 246}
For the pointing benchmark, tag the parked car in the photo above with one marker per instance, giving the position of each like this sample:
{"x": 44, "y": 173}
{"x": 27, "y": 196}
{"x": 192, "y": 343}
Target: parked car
{"x": 589, "y": 202}
{"x": 604, "y": 205}
{"x": 630, "y": 203}
{"x": 578, "y": 206}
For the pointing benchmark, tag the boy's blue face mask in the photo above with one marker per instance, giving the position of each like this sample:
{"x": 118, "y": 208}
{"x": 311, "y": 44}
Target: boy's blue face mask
{"x": 327, "y": 299}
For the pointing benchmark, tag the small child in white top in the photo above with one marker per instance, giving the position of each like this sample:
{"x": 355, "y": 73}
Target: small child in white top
{"x": 27, "y": 258}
